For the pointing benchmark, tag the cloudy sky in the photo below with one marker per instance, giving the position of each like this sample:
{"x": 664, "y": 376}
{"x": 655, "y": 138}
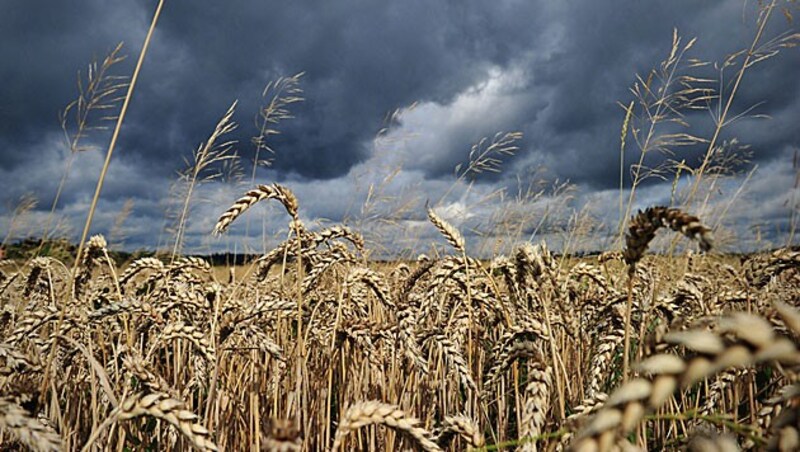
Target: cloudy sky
{"x": 454, "y": 71}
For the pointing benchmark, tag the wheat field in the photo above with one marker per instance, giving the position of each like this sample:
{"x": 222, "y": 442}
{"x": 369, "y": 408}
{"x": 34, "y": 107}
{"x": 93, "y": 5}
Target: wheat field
{"x": 315, "y": 348}
{"x": 314, "y": 345}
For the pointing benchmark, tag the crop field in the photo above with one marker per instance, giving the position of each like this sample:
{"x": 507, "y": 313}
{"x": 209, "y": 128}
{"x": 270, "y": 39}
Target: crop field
{"x": 313, "y": 348}
{"x": 381, "y": 302}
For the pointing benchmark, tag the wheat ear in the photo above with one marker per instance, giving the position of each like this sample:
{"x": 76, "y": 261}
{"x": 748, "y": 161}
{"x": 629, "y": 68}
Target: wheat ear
{"x": 374, "y": 412}
{"x": 181, "y": 330}
{"x": 161, "y": 406}
{"x": 95, "y": 247}
{"x": 537, "y": 404}
{"x": 274, "y": 191}
{"x": 644, "y": 225}
{"x": 784, "y": 431}
{"x": 144, "y": 263}
{"x": 751, "y": 341}
{"x": 462, "y": 426}
{"x": 449, "y": 231}
{"x": 29, "y": 431}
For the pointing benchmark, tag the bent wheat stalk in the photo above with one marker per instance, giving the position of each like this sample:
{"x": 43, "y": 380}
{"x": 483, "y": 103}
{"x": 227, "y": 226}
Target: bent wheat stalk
{"x": 641, "y": 232}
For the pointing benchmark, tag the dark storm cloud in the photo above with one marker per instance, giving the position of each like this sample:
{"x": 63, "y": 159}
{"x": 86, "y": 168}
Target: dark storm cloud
{"x": 362, "y": 59}
{"x": 602, "y": 50}
{"x": 721, "y": 29}
{"x": 580, "y": 63}
{"x": 554, "y": 70}
{"x": 44, "y": 44}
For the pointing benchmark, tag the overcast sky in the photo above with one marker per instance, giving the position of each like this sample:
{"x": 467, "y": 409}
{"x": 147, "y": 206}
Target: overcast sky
{"x": 553, "y": 70}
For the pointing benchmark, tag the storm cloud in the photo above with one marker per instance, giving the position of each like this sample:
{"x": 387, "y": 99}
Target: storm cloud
{"x": 457, "y": 70}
